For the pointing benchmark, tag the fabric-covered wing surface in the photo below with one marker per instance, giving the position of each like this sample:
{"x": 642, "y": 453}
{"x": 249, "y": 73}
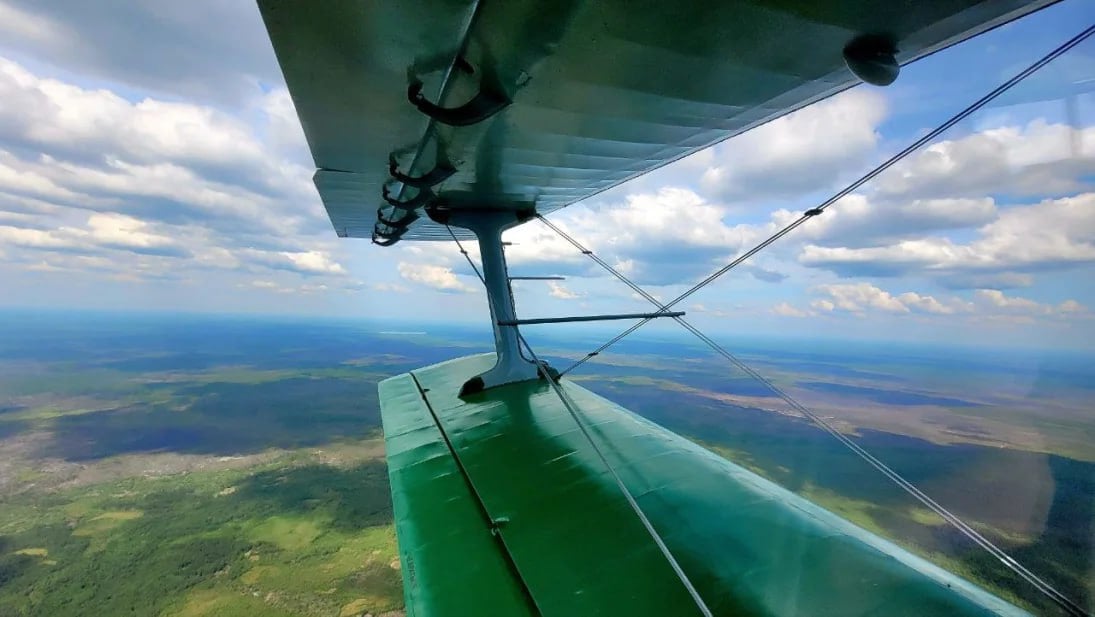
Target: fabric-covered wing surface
{"x": 599, "y": 91}
{"x": 503, "y": 508}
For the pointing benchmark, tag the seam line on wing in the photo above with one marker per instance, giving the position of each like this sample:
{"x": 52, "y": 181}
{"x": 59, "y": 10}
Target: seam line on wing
{"x": 480, "y": 504}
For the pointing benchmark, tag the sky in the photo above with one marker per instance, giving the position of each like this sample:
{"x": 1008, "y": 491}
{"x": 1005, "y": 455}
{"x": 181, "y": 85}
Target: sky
{"x": 151, "y": 159}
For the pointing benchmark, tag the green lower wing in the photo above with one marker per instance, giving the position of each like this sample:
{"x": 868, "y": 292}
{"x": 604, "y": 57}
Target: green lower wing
{"x": 502, "y": 507}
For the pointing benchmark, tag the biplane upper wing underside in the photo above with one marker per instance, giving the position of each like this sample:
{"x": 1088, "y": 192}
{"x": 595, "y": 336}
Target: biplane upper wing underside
{"x": 522, "y": 103}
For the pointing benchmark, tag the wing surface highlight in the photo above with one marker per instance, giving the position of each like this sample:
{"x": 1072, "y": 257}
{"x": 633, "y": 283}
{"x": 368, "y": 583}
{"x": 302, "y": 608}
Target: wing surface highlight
{"x": 749, "y": 546}
{"x": 450, "y": 561}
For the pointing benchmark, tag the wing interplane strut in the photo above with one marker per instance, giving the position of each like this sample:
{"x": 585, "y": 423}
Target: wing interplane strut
{"x": 544, "y": 369}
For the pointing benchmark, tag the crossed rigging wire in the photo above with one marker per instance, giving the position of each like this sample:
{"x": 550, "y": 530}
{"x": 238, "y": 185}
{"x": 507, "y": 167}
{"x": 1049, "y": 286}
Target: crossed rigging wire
{"x": 919, "y": 495}
{"x": 572, "y": 410}
{"x": 962, "y": 115}
{"x": 1042, "y": 586}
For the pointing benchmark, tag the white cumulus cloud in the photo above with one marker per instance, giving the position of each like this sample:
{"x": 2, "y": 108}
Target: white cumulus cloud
{"x": 1054, "y": 233}
{"x": 1015, "y": 304}
{"x": 803, "y": 151}
{"x": 858, "y": 297}
{"x": 786, "y": 310}
{"x": 561, "y": 292}
{"x": 1038, "y": 158}
{"x": 437, "y": 277}
{"x": 314, "y": 262}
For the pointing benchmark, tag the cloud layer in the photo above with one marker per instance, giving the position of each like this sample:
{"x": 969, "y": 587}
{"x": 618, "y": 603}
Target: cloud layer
{"x": 185, "y": 165}
{"x": 87, "y": 176}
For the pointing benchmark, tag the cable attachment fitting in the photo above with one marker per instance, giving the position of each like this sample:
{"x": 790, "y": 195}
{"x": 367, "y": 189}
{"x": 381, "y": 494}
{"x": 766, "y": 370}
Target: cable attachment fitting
{"x": 487, "y": 102}
{"x": 408, "y": 217}
{"x": 813, "y": 212}
{"x": 873, "y": 58}
{"x": 387, "y": 239}
{"x": 552, "y": 372}
{"x": 423, "y": 197}
{"x": 435, "y": 176}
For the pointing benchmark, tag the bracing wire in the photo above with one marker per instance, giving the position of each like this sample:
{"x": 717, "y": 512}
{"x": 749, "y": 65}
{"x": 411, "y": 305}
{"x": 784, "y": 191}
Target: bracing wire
{"x": 571, "y": 409}
{"x": 962, "y": 115}
{"x": 464, "y": 252}
{"x": 1045, "y": 588}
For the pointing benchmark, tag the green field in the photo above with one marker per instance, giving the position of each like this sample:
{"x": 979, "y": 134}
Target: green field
{"x": 137, "y": 482}
{"x": 300, "y": 534}
{"x": 237, "y": 469}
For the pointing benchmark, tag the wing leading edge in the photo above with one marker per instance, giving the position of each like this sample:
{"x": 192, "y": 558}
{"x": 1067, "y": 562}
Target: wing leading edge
{"x": 503, "y": 508}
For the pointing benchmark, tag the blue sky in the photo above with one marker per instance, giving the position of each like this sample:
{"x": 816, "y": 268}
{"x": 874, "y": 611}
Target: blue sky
{"x": 150, "y": 158}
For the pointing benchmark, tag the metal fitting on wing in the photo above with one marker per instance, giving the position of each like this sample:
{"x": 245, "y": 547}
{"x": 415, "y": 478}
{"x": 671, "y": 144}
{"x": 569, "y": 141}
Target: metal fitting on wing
{"x": 873, "y": 58}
